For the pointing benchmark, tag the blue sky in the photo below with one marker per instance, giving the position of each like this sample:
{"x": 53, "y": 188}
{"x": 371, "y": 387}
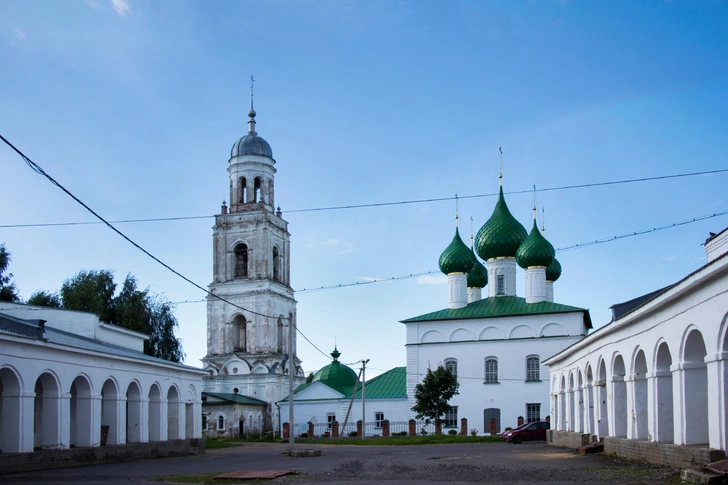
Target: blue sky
{"x": 134, "y": 105}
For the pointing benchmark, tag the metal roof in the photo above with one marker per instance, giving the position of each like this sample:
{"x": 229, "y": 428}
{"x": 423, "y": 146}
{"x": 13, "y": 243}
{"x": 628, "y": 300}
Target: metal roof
{"x": 500, "y": 306}
{"x": 390, "y": 385}
{"x": 234, "y": 398}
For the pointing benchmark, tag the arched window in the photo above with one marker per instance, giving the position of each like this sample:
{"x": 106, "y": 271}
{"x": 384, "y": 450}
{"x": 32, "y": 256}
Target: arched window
{"x": 281, "y": 335}
{"x": 258, "y": 194}
{"x": 241, "y": 261}
{"x": 276, "y": 264}
{"x": 533, "y": 368}
{"x": 239, "y": 333}
{"x": 500, "y": 288}
{"x": 452, "y": 366}
{"x": 260, "y": 422}
{"x": 250, "y": 421}
{"x": 220, "y": 423}
{"x": 242, "y": 190}
{"x": 491, "y": 370}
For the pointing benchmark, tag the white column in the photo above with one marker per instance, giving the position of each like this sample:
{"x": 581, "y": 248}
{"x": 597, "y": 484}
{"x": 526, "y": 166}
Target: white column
{"x": 536, "y": 284}
{"x": 561, "y": 411}
{"x": 631, "y": 408}
{"x": 717, "y": 375}
{"x": 457, "y": 285}
{"x": 64, "y": 419}
{"x": 550, "y": 291}
{"x": 652, "y": 407}
{"x": 474, "y": 294}
{"x": 569, "y": 410}
{"x": 678, "y": 404}
{"x": 144, "y": 424}
{"x": 579, "y": 410}
{"x": 163, "y": 412}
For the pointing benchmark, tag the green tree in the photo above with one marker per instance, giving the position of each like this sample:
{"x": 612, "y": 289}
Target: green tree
{"x": 433, "y": 394}
{"x": 91, "y": 291}
{"x": 8, "y": 291}
{"x": 45, "y": 298}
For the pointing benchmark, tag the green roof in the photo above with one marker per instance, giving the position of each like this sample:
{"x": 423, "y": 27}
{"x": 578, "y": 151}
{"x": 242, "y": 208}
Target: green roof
{"x": 500, "y": 306}
{"x": 235, "y": 398}
{"x": 553, "y": 271}
{"x": 390, "y": 385}
{"x": 457, "y": 257}
{"x": 478, "y": 276}
{"x": 501, "y": 235}
{"x": 535, "y": 250}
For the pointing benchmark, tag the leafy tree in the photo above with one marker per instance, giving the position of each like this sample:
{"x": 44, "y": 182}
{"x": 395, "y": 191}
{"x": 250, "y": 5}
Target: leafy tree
{"x": 135, "y": 309}
{"x": 433, "y": 394}
{"x": 91, "y": 291}
{"x": 45, "y": 298}
{"x": 8, "y": 291}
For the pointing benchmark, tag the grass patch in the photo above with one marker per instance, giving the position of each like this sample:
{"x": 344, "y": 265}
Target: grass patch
{"x": 430, "y": 439}
{"x": 216, "y": 443}
{"x": 200, "y": 478}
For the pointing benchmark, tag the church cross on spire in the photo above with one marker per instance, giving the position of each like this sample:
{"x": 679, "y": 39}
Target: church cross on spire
{"x": 251, "y": 113}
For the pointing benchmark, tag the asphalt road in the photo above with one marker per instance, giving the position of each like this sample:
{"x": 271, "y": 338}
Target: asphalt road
{"x": 489, "y": 463}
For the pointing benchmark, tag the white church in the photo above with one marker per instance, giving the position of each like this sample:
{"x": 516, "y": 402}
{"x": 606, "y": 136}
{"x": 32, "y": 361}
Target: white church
{"x": 495, "y": 344}
{"x": 248, "y": 354}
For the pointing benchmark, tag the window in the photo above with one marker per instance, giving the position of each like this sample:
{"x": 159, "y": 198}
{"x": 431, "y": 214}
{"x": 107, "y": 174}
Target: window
{"x": 491, "y": 370}
{"x": 204, "y": 422}
{"x": 533, "y": 412}
{"x": 500, "y": 287}
{"x": 451, "y": 417}
{"x": 260, "y": 422}
{"x": 241, "y": 261}
{"x": 330, "y": 418}
{"x": 533, "y": 368}
{"x": 242, "y": 186}
{"x": 258, "y": 195}
{"x": 452, "y": 366}
{"x": 220, "y": 423}
{"x": 281, "y": 335}
{"x": 250, "y": 422}
{"x": 276, "y": 259}
{"x": 378, "y": 417}
{"x": 239, "y": 329}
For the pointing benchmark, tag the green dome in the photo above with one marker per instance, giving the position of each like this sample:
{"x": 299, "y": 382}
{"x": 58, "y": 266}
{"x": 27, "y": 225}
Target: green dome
{"x": 456, "y": 258}
{"x": 501, "y": 235}
{"x": 336, "y": 375}
{"x": 553, "y": 271}
{"x": 478, "y": 276}
{"x": 535, "y": 250}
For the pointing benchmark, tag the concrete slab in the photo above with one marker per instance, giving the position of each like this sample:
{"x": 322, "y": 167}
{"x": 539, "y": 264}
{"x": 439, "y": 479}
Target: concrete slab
{"x": 253, "y": 474}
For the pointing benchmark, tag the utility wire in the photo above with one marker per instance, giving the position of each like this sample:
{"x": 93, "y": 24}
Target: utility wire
{"x": 37, "y": 169}
{"x": 382, "y": 204}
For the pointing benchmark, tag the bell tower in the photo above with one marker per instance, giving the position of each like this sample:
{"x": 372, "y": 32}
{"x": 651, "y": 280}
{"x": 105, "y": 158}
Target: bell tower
{"x": 247, "y": 345}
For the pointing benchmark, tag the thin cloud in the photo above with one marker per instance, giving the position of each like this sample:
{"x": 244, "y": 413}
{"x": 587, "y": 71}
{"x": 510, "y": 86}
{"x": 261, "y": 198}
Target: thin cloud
{"x": 347, "y": 251}
{"x": 432, "y": 280}
{"x": 92, "y": 3}
{"x": 121, "y": 7}
{"x": 19, "y": 34}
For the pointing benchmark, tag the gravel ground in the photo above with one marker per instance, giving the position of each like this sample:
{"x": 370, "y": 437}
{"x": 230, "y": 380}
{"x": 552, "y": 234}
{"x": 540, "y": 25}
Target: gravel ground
{"x": 486, "y": 463}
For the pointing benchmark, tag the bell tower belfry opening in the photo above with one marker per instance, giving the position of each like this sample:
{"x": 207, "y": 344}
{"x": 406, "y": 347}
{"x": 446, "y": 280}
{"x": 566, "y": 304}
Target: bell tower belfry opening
{"x": 248, "y": 352}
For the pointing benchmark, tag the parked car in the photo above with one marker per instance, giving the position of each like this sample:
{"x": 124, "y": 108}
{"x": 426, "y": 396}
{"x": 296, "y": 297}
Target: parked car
{"x": 504, "y": 433}
{"x": 530, "y": 432}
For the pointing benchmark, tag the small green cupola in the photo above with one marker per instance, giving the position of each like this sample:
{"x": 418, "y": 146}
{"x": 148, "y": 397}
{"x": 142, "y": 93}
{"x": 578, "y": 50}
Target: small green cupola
{"x": 478, "y": 276}
{"x": 535, "y": 250}
{"x": 457, "y": 257}
{"x": 337, "y": 375}
{"x": 501, "y": 235}
{"x": 553, "y": 271}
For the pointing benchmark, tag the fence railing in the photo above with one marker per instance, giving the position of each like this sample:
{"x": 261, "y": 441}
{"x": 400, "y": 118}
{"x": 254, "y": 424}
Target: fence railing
{"x": 370, "y": 428}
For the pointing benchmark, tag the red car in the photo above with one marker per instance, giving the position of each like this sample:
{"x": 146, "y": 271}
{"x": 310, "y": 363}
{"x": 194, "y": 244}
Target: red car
{"x": 504, "y": 433}
{"x": 529, "y": 432}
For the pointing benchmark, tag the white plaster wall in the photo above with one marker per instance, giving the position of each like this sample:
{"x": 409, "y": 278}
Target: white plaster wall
{"x": 28, "y": 359}
{"x": 700, "y": 302}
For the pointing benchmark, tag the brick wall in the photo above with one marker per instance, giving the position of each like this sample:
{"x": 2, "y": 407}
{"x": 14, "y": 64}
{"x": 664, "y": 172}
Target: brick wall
{"x": 659, "y": 453}
{"x": 568, "y": 439}
{"x": 662, "y": 453}
{"x": 42, "y": 460}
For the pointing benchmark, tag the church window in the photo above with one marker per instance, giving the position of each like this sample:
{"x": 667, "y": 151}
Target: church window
{"x": 451, "y": 417}
{"x": 500, "y": 288}
{"x": 250, "y": 421}
{"x": 378, "y": 418}
{"x": 242, "y": 190}
{"x": 241, "y": 261}
{"x": 330, "y": 418}
{"x": 491, "y": 370}
{"x": 452, "y": 366}
{"x": 276, "y": 265}
{"x": 533, "y": 368}
{"x": 260, "y": 422}
{"x": 257, "y": 189}
{"x": 239, "y": 331}
{"x": 281, "y": 335}
{"x": 221, "y": 422}
{"x": 533, "y": 412}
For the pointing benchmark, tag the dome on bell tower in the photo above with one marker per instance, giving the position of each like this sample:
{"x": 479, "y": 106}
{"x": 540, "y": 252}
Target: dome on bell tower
{"x": 251, "y": 144}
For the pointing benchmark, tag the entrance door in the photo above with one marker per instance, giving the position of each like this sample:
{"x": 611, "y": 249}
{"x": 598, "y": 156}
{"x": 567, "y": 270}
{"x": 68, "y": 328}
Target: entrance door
{"x": 491, "y": 421}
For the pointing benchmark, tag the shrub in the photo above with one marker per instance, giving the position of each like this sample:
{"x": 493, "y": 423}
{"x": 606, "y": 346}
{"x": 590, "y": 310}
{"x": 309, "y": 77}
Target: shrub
{"x": 423, "y": 432}
{"x": 304, "y": 435}
{"x": 400, "y": 433}
{"x": 452, "y": 432}
{"x": 353, "y": 434}
{"x": 473, "y": 432}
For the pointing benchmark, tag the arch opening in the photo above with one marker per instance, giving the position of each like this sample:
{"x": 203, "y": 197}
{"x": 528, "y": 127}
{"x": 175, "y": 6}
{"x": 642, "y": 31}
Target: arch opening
{"x": 47, "y": 413}
{"x": 639, "y": 380}
{"x": 173, "y": 414}
{"x": 155, "y": 413}
{"x": 695, "y": 378}
{"x": 603, "y": 416}
{"x": 81, "y": 413}
{"x": 11, "y": 426}
{"x": 133, "y": 413}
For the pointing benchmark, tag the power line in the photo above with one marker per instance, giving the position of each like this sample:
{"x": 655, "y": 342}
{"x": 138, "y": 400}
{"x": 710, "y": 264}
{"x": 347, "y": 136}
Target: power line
{"x": 383, "y": 204}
